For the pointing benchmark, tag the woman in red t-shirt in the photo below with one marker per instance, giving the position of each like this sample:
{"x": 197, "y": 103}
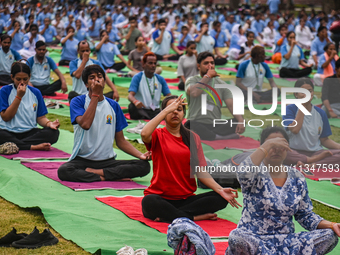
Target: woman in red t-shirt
{"x": 171, "y": 193}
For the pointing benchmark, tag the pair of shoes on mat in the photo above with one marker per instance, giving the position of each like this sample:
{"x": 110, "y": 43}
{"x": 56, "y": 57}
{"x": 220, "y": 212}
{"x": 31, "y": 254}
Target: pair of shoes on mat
{"x": 31, "y": 241}
{"x": 128, "y": 250}
{"x": 9, "y": 148}
{"x": 137, "y": 129}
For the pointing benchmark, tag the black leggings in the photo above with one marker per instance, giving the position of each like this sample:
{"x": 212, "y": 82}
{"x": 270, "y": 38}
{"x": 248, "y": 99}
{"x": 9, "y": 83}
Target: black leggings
{"x": 220, "y": 61}
{"x": 49, "y": 89}
{"x": 5, "y": 79}
{"x": 116, "y": 66}
{"x": 160, "y": 57}
{"x": 64, "y": 62}
{"x": 154, "y": 206}
{"x": 33, "y": 137}
{"x": 181, "y": 85}
{"x": 139, "y": 114}
{"x": 208, "y": 131}
{"x": 294, "y": 73}
{"x": 74, "y": 170}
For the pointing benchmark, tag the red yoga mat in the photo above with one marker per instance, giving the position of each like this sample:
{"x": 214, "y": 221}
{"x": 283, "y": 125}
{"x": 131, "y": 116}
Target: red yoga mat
{"x": 173, "y": 87}
{"x": 221, "y": 247}
{"x": 243, "y": 143}
{"x": 175, "y": 80}
{"x": 58, "y": 96}
{"x": 131, "y": 206}
{"x": 127, "y": 115}
{"x": 321, "y": 174}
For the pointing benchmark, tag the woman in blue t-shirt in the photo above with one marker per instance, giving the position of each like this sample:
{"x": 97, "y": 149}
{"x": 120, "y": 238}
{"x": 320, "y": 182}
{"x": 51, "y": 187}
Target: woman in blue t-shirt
{"x": 292, "y": 57}
{"x": 70, "y": 47}
{"x": 107, "y": 52}
{"x": 21, "y": 109}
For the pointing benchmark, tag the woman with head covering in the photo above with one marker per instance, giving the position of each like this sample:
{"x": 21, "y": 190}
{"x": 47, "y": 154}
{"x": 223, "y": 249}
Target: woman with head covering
{"x": 236, "y": 40}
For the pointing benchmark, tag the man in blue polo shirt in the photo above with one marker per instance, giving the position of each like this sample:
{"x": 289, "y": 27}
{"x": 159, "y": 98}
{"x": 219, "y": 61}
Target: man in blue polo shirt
{"x": 98, "y": 121}
{"x": 163, "y": 40}
{"x": 95, "y": 25}
{"x": 41, "y": 67}
{"x": 222, "y": 42}
{"x": 17, "y": 36}
{"x": 42, "y": 15}
{"x": 317, "y": 46}
{"x": 257, "y": 27}
{"x": 146, "y": 89}
{"x": 7, "y": 58}
{"x": 49, "y": 32}
{"x": 76, "y": 68}
{"x": 251, "y": 73}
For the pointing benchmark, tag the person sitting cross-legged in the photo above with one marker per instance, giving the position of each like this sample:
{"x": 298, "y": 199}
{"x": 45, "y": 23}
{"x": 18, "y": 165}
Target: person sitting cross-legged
{"x": 76, "y": 68}
{"x": 145, "y": 90}
{"x": 41, "y": 67}
{"x": 21, "y": 108}
{"x": 251, "y": 73}
{"x": 99, "y": 121}
{"x": 8, "y": 56}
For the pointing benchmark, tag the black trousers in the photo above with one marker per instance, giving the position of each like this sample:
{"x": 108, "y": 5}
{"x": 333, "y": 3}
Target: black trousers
{"x": 64, "y": 62}
{"x": 47, "y": 90}
{"x": 125, "y": 52}
{"x": 336, "y": 39}
{"x": 176, "y": 57}
{"x": 74, "y": 170}
{"x": 208, "y": 131}
{"x": 266, "y": 96}
{"x": 74, "y": 94}
{"x": 220, "y": 61}
{"x": 154, "y": 206}
{"x": 54, "y": 42}
{"x": 294, "y": 73}
{"x": 181, "y": 85}
{"x": 116, "y": 66}
{"x": 139, "y": 114}
{"x": 5, "y": 80}
{"x": 33, "y": 137}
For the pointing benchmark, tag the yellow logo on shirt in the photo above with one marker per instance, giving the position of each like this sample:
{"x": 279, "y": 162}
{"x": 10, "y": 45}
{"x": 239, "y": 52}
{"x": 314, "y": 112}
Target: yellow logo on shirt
{"x": 319, "y": 131}
{"x": 10, "y": 57}
{"x": 45, "y": 67}
{"x": 108, "y": 119}
{"x": 261, "y": 71}
{"x": 156, "y": 86}
{"x": 35, "y": 107}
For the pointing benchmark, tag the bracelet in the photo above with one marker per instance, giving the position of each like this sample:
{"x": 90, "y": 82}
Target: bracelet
{"x": 47, "y": 122}
{"x": 332, "y": 225}
{"x": 134, "y": 102}
{"x": 207, "y": 76}
{"x": 264, "y": 151}
{"x": 331, "y": 110}
{"x": 18, "y": 97}
{"x": 94, "y": 95}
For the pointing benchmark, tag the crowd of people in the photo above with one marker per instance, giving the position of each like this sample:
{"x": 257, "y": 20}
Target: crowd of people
{"x": 200, "y": 39}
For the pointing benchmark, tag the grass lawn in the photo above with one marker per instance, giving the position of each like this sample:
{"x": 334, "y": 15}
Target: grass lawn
{"x": 24, "y": 220}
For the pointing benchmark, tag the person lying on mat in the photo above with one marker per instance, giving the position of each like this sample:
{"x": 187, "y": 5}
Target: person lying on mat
{"x": 22, "y": 108}
{"x": 146, "y": 89}
{"x": 292, "y": 57}
{"x": 98, "y": 121}
{"x": 330, "y": 93}
{"x": 206, "y": 42}
{"x": 187, "y": 64}
{"x": 163, "y": 40}
{"x": 8, "y": 56}
{"x": 251, "y": 73}
{"x": 200, "y": 84}
{"x": 41, "y": 67}
{"x": 107, "y": 52}
{"x": 272, "y": 195}
{"x": 309, "y": 133}
{"x": 76, "y": 68}
{"x": 326, "y": 64}
{"x": 171, "y": 192}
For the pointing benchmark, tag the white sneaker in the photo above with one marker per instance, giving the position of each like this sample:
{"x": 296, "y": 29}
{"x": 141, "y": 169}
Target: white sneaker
{"x": 137, "y": 129}
{"x": 126, "y": 250}
{"x": 141, "y": 251}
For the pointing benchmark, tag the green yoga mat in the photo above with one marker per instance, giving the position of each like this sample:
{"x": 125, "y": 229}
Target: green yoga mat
{"x": 65, "y": 111}
{"x": 64, "y": 69}
{"x": 334, "y": 122}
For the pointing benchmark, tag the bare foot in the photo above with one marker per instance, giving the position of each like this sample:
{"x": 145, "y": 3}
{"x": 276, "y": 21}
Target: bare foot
{"x": 124, "y": 180}
{"x": 207, "y": 216}
{"x": 95, "y": 171}
{"x": 41, "y": 147}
